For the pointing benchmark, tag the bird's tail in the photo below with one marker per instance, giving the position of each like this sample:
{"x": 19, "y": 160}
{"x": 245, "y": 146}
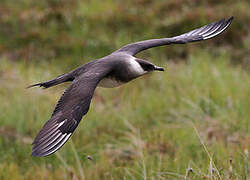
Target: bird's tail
{"x": 60, "y": 79}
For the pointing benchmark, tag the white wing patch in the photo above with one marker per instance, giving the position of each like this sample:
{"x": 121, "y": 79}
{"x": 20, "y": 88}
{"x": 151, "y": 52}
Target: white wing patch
{"x": 61, "y": 123}
{"x": 57, "y": 144}
{"x": 212, "y": 35}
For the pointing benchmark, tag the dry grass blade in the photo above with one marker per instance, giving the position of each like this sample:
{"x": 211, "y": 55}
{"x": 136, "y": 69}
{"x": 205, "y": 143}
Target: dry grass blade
{"x": 139, "y": 145}
{"x": 78, "y": 161}
{"x": 172, "y": 174}
{"x": 212, "y": 164}
{"x": 67, "y": 167}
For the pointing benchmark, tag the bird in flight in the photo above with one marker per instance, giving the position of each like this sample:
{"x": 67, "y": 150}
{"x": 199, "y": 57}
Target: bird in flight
{"x": 113, "y": 70}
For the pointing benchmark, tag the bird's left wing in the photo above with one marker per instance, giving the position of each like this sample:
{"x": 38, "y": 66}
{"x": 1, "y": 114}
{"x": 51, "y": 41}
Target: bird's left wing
{"x": 203, "y": 33}
{"x": 73, "y": 104}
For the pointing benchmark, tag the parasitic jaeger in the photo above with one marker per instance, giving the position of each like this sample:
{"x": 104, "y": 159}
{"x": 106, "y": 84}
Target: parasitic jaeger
{"x": 113, "y": 70}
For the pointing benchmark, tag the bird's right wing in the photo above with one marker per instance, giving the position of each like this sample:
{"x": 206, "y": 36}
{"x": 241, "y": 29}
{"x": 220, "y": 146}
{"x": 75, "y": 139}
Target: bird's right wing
{"x": 203, "y": 33}
{"x": 72, "y": 106}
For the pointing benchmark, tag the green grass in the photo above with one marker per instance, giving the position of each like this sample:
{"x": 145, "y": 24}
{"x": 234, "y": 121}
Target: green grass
{"x": 192, "y": 123}
{"x": 73, "y": 29}
{"x": 134, "y": 132}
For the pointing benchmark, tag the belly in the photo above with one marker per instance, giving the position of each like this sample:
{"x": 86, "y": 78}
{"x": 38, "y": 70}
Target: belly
{"x": 109, "y": 83}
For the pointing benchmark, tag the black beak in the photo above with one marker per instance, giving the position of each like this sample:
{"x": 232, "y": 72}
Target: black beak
{"x": 159, "y": 68}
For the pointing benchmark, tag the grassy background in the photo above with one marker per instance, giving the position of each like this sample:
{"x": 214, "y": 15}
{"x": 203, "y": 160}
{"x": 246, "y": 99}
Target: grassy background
{"x": 192, "y": 123}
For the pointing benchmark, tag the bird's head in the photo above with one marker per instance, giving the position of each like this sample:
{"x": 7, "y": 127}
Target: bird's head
{"x": 148, "y": 66}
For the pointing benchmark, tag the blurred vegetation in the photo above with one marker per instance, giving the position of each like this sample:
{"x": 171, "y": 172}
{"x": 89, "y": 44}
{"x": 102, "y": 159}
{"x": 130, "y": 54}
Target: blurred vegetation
{"x": 73, "y": 29}
{"x": 192, "y": 123}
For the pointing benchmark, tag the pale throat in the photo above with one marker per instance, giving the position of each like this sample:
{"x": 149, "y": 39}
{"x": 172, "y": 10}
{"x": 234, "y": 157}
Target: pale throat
{"x": 135, "y": 67}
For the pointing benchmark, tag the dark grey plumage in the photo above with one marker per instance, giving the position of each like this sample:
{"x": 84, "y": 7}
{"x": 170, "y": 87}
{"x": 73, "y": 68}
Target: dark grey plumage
{"x": 113, "y": 70}
{"x": 203, "y": 33}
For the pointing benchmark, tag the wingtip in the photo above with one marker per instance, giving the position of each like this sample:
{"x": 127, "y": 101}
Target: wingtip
{"x": 39, "y": 154}
{"x": 230, "y": 19}
{"x": 34, "y": 154}
{"x": 46, "y": 150}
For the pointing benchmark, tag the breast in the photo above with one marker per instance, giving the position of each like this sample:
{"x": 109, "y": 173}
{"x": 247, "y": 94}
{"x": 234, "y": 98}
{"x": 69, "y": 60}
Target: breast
{"x": 109, "y": 83}
{"x": 126, "y": 68}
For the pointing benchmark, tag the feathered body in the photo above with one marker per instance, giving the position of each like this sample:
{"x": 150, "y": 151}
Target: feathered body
{"x": 110, "y": 71}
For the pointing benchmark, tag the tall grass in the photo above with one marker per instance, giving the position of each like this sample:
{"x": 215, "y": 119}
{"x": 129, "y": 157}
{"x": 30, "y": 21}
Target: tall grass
{"x": 190, "y": 122}
{"x": 142, "y": 130}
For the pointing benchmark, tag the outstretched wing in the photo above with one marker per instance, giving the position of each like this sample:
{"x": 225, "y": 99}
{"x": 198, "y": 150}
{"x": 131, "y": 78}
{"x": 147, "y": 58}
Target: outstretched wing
{"x": 73, "y": 104}
{"x": 203, "y": 33}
